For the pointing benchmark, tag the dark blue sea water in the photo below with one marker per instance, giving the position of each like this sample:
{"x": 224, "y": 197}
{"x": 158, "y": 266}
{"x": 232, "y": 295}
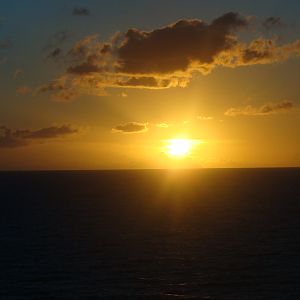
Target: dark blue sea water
{"x": 199, "y": 234}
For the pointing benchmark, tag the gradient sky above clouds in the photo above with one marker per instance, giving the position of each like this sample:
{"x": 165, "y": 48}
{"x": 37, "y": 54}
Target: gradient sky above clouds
{"x": 104, "y": 84}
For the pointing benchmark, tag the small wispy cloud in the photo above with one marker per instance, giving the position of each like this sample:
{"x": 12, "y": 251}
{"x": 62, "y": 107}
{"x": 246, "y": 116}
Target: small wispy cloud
{"x": 264, "y": 110}
{"x": 53, "y": 47}
{"x": 271, "y": 22}
{"x": 81, "y": 11}
{"x": 58, "y": 90}
{"x": 131, "y": 127}
{"x": 13, "y": 138}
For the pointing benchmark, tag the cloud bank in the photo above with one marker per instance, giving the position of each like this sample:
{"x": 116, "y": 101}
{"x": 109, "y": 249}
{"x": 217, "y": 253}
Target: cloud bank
{"x": 168, "y": 56}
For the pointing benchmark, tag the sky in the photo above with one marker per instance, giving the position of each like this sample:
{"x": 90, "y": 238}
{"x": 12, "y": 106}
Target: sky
{"x": 149, "y": 84}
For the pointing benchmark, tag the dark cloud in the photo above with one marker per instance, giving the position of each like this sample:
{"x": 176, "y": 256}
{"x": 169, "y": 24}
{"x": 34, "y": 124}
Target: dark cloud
{"x": 168, "y": 56}
{"x": 10, "y": 138}
{"x": 264, "y": 110}
{"x": 131, "y": 127}
{"x": 271, "y": 22}
{"x": 81, "y": 11}
{"x": 161, "y": 51}
{"x": 48, "y": 132}
{"x": 175, "y": 47}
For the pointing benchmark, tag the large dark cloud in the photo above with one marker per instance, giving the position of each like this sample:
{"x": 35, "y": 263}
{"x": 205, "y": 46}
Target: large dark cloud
{"x": 131, "y": 127}
{"x": 165, "y": 50}
{"x": 166, "y": 57}
{"x": 175, "y": 47}
{"x": 264, "y": 110}
{"x": 12, "y": 138}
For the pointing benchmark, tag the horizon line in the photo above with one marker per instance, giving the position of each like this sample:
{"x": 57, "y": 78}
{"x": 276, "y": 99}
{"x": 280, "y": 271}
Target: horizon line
{"x": 147, "y": 169}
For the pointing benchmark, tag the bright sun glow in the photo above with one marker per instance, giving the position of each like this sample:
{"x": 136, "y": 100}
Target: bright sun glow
{"x": 179, "y": 147}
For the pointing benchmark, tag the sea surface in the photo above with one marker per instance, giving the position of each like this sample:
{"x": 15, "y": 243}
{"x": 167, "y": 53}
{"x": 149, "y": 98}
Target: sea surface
{"x": 150, "y": 234}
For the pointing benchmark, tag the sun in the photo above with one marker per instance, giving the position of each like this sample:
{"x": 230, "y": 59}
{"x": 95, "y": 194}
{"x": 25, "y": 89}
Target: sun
{"x": 179, "y": 147}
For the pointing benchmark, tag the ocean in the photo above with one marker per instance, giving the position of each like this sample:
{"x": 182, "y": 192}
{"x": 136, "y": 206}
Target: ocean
{"x": 150, "y": 234}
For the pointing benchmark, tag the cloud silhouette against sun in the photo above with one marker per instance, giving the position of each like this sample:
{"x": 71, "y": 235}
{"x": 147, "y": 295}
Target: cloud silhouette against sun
{"x": 162, "y": 58}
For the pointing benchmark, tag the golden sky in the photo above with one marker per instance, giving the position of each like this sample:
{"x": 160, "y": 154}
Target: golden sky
{"x": 198, "y": 84}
